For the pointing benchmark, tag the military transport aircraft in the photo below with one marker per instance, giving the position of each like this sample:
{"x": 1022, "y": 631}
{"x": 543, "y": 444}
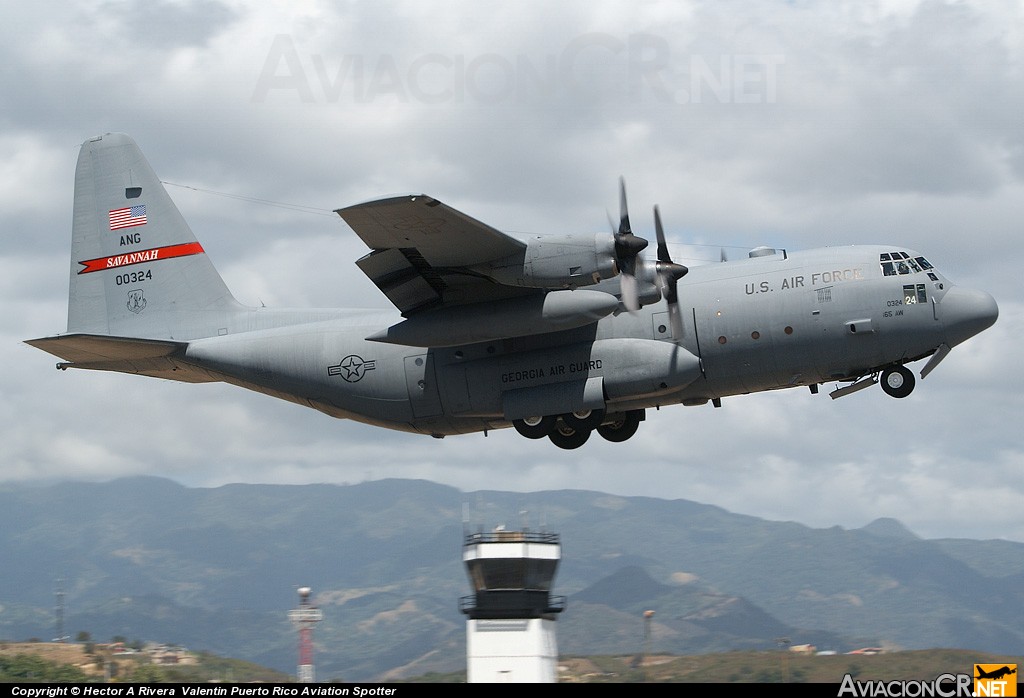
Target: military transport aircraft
{"x": 555, "y": 335}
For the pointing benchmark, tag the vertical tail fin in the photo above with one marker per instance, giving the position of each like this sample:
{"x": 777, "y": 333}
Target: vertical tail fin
{"x": 136, "y": 268}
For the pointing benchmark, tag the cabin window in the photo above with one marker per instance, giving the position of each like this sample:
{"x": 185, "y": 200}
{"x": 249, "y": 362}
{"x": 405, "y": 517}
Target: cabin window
{"x": 914, "y": 294}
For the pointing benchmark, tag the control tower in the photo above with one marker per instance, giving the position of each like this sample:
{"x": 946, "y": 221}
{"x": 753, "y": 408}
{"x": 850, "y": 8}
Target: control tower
{"x": 510, "y": 631}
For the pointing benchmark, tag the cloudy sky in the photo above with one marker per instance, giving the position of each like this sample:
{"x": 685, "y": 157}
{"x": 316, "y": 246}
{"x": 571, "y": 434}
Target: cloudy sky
{"x": 793, "y": 124}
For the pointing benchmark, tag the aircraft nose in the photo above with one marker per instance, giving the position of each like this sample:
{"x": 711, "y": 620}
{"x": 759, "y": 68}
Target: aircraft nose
{"x": 965, "y": 312}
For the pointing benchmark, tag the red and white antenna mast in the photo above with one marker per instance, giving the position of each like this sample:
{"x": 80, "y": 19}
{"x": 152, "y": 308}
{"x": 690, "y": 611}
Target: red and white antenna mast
{"x": 305, "y": 617}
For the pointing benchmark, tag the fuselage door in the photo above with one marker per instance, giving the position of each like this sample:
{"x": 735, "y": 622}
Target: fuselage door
{"x": 422, "y": 385}
{"x": 661, "y": 326}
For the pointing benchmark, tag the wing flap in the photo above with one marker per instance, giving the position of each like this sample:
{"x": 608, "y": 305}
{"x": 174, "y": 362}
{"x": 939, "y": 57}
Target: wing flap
{"x": 404, "y": 285}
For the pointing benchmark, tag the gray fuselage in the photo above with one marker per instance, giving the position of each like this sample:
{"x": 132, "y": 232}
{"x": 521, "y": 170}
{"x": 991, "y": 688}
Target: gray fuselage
{"x": 763, "y": 323}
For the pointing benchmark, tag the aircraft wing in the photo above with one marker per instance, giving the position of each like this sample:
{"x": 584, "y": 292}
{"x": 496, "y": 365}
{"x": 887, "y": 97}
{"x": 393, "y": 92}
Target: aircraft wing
{"x": 424, "y": 253}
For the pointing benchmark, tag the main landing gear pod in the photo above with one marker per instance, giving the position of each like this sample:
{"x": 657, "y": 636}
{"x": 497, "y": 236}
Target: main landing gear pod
{"x": 572, "y": 430}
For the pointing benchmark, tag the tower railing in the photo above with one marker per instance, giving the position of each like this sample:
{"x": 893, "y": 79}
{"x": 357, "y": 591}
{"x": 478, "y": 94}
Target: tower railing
{"x": 510, "y": 537}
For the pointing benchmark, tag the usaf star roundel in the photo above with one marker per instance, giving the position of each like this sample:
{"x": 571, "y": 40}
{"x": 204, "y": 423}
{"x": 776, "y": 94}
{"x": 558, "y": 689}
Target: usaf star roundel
{"x": 352, "y": 368}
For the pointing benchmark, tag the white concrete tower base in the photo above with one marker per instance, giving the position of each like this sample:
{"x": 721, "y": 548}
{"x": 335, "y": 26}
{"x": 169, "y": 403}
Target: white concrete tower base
{"x": 520, "y": 650}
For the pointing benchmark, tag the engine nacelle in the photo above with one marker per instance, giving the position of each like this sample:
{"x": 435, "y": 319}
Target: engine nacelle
{"x": 557, "y": 261}
{"x": 520, "y": 317}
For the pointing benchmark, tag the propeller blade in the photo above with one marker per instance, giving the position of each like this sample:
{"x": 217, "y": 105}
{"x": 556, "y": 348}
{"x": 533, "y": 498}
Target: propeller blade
{"x": 627, "y": 245}
{"x": 667, "y": 269}
{"x": 660, "y": 232}
{"x": 675, "y": 317}
{"x": 669, "y": 274}
{"x": 630, "y": 291}
{"x": 627, "y": 254}
{"x": 624, "y": 228}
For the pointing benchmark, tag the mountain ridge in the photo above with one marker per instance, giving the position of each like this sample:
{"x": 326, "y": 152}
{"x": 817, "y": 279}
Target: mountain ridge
{"x": 217, "y": 568}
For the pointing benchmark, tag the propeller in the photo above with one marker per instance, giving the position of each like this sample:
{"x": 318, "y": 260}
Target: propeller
{"x": 669, "y": 274}
{"x": 627, "y": 254}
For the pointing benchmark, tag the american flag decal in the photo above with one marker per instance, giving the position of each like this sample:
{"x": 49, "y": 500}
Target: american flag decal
{"x": 127, "y": 217}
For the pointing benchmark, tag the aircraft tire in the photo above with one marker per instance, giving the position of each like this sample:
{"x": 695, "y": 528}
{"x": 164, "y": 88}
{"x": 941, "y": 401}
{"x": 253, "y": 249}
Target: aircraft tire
{"x": 622, "y": 428}
{"x": 584, "y": 419}
{"x": 897, "y": 381}
{"x": 534, "y": 427}
{"x": 568, "y": 437}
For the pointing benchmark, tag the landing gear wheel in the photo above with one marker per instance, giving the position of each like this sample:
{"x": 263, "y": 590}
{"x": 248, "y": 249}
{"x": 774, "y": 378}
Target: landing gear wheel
{"x": 534, "y": 427}
{"x": 623, "y": 427}
{"x": 897, "y": 381}
{"x": 584, "y": 419}
{"x": 567, "y": 437}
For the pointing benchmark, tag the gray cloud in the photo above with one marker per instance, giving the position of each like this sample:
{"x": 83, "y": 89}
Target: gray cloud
{"x": 797, "y": 125}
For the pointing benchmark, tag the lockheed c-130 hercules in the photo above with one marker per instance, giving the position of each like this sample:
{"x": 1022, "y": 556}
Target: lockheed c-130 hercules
{"x": 556, "y": 335}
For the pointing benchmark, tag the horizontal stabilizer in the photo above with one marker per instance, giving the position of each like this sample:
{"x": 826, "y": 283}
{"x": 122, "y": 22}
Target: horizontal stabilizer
{"x": 149, "y": 357}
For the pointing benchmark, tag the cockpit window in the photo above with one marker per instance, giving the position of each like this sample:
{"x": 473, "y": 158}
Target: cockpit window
{"x": 898, "y": 263}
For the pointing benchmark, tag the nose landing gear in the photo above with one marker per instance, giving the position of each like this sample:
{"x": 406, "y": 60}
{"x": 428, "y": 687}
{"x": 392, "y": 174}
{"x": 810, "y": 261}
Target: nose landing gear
{"x": 897, "y": 381}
